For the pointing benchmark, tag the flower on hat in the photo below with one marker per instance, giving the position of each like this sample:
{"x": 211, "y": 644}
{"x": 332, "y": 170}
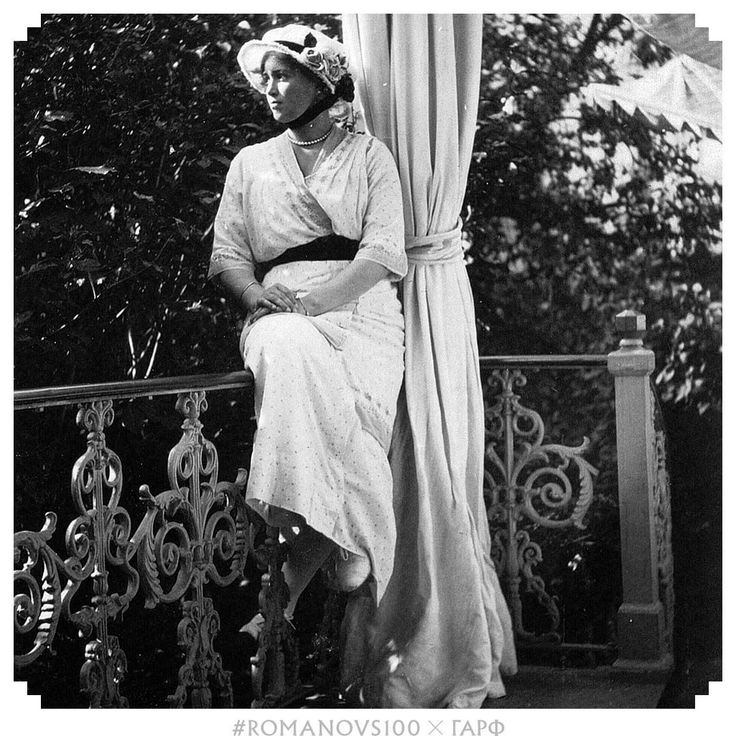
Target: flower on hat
{"x": 322, "y": 62}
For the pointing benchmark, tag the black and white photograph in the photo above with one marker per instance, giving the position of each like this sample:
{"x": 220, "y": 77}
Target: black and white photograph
{"x": 367, "y": 364}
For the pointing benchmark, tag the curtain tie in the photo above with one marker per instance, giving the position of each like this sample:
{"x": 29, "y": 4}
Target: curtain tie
{"x": 436, "y": 247}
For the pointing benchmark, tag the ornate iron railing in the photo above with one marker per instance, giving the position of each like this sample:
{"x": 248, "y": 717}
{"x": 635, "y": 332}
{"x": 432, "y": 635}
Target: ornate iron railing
{"x": 530, "y": 484}
{"x": 196, "y": 532}
{"x": 199, "y": 532}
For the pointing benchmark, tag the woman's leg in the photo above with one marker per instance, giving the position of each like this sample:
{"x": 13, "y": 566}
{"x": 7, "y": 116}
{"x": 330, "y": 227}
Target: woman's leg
{"x": 305, "y": 411}
{"x": 307, "y": 554}
{"x": 308, "y": 551}
{"x": 354, "y": 634}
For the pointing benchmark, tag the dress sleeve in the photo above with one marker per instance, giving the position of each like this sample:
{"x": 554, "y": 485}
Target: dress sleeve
{"x": 231, "y": 249}
{"x": 382, "y": 239}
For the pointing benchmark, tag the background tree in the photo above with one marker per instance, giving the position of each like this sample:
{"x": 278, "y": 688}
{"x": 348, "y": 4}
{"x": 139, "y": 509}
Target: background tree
{"x": 575, "y": 214}
{"x": 125, "y": 127}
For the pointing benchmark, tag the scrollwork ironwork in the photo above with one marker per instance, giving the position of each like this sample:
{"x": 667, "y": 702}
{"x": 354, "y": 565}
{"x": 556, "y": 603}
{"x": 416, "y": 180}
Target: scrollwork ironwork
{"x": 275, "y": 666}
{"x": 663, "y": 524}
{"x": 37, "y": 603}
{"x": 202, "y": 665}
{"x": 526, "y": 480}
{"x": 97, "y": 542}
{"x": 103, "y": 671}
{"x": 196, "y": 532}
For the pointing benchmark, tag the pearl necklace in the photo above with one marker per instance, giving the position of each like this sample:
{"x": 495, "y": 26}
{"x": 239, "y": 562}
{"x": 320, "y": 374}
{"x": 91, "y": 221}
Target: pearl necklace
{"x": 309, "y": 143}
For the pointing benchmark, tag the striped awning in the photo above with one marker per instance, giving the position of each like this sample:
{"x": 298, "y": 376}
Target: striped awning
{"x": 684, "y": 93}
{"x": 681, "y": 94}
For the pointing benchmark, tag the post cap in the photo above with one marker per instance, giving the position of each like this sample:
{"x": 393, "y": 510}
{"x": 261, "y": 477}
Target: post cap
{"x": 631, "y": 325}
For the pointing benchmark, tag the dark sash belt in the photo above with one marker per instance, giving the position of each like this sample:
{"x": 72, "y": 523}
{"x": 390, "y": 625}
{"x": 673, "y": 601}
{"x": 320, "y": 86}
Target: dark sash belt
{"x": 325, "y": 248}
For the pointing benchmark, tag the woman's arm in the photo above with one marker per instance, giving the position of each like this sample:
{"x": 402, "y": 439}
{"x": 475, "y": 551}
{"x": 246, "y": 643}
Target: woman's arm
{"x": 353, "y": 281}
{"x": 232, "y": 264}
{"x": 357, "y": 278}
{"x": 243, "y": 288}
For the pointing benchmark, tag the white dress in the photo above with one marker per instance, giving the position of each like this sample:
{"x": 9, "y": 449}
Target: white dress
{"x": 325, "y": 387}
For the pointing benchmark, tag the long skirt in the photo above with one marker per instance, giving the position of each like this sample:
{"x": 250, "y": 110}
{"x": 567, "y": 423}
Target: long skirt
{"x": 326, "y": 389}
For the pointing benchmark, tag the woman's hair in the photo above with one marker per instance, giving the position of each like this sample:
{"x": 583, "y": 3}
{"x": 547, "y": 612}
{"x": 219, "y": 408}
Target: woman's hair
{"x": 294, "y": 66}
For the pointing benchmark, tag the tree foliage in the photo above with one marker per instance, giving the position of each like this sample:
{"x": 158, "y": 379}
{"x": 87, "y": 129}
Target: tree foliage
{"x": 576, "y": 214}
{"x": 125, "y": 126}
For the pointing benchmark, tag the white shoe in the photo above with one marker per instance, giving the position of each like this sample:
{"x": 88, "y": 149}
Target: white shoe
{"x": 351, "y": 570}
{"x": 254, "y": 627}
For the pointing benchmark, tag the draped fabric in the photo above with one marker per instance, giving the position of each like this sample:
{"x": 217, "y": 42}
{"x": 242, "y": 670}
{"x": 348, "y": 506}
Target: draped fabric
{"x": 442, "y": 634}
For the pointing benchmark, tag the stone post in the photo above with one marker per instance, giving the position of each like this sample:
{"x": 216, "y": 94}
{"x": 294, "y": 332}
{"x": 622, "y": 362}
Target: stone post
{"x": 641, "y": 617}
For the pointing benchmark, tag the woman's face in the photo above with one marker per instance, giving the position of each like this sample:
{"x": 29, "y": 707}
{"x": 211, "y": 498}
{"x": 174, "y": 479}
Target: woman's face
{"x": 289, "y": 91}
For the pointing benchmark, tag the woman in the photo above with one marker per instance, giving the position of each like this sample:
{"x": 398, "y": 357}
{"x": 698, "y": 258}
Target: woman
{"x": 318, "y": 211}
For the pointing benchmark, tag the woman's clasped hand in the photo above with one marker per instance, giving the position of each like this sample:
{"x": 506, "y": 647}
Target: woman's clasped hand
{"x": 276, "y": 298}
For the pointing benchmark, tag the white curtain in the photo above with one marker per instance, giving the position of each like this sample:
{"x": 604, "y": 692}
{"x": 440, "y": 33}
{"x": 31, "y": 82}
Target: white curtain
{"x": 442, "y": 635}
